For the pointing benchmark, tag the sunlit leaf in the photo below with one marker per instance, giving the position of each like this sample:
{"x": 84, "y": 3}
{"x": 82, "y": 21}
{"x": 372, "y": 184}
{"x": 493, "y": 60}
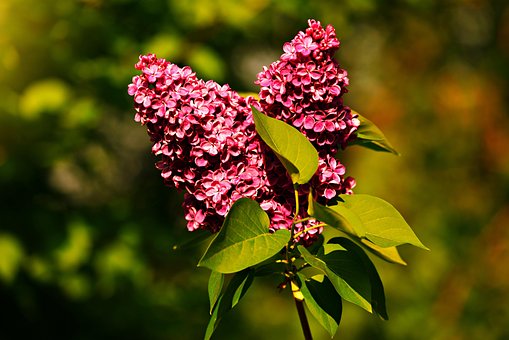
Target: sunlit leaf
{"x": 244, "y": 239}
{"x": 345, "y": 274}
{"x": 362, "y": 260}
{"x": 370, "y": 136}
{"x": 323, "y": 302}
{"x": 389, "y": 254}
{"x": 337, "y": 216}
{"x": 215, "y": 286}
{"x": 291, "y": 147}
{"x": 378, "y": 221}
{"x": 235, "y": 290}
{"x": 367, "y": 217}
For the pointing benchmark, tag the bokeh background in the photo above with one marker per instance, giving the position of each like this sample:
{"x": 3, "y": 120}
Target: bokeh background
{"x": 86, "y": 226}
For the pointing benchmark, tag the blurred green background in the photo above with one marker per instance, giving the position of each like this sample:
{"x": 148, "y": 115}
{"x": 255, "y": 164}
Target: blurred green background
{"x": 86, "y": 226}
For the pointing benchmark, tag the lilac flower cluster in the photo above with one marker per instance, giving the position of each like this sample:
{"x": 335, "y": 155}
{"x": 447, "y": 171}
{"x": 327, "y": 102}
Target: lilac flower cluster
{"x": 204, "y": 135}
{"x": 304, "y": 88}
{"x": 206, "y": 140}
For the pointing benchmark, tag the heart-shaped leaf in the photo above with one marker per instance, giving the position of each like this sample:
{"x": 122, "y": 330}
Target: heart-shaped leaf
{"x": 293, "y": 149}
{"x": 244, "y": 239}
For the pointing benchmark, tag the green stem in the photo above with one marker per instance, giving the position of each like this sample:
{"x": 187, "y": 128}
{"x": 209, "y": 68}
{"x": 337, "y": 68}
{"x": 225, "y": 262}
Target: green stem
{"x": 308, "y": 229}
{"x": 303, "y": 220}
{"x": 296, "y": 193}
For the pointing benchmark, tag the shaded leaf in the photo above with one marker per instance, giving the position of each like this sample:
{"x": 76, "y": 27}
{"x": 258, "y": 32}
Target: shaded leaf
{"x": 370, "y": 136}
{"x": 215, "y": 286}
{"x": 244, "y": 239}
{"x": 359, "y": 293}
{"x": 377, "y": 289}
{"x": 323, "y": 302}
{"x": 236, "y": 289}
{"x": 293, "y": 149}
{"x": 349, "y": 268}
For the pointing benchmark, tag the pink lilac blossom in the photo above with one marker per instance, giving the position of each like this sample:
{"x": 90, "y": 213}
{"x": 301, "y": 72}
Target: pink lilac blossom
{"x": 304, "y": 88}
{"x": 205, "y": 138}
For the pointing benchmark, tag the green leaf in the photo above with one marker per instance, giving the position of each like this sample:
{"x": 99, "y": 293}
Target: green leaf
{"x": 236, "y": 289}
{"x": 389, "y": 254}
{"x": 351, "y": 283}
{"x": 293, "y": 149}
{"x": 370, "y": 136}
{"x": 323, "y": 302}
{"x": 377, "y": 289}
{"x": 349, "y": 268}
{"x": 336, "y": 216}
{"x": 244, "y": 239}
{"x": 367, "y": 217}
{"x": 378, "y": 221}
{"x": 215, "y": 286}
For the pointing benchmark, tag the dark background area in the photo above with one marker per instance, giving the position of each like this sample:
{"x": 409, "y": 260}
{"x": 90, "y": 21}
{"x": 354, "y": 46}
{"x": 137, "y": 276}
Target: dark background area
{"x": 86, "y": 225}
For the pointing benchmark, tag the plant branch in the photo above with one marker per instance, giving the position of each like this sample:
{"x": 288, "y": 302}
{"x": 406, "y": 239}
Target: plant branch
{"x": 303, "y": 220}
{"x": 308, "y": 229}
{"x": 299, "y": 303}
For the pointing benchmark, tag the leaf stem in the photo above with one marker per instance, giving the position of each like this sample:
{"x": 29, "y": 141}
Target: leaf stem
{"x": 303, "y": 220}
{"x": 296, "y": 192}
{"x": 308, "y": 229}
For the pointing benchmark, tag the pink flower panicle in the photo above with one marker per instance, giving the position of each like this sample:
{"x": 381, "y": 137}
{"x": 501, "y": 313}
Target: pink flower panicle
{"x": 305, "y": 86}
{"x": 205, "y": 138}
